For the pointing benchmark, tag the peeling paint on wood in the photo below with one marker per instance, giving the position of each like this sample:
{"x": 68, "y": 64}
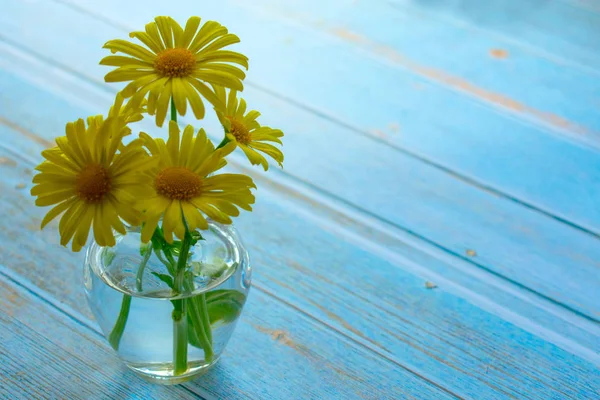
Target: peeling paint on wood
{"x": 499, "y": 53}
{"x": 26, "y": 133}
{"x": 347, "y": 295}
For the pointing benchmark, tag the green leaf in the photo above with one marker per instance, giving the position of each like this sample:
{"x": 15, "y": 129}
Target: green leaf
{"x": 192, "y": 335}
{"x": 144, "y": 247}
{"x": 224, "y": 305}
{"x": 196, "y": 236}
{"x": 158, "y": 240}
{"x": 175, "y": 247}
{"x": 165, "y": 278}
{"x": 108, "y": 256}
{"x": 214, "y": 269}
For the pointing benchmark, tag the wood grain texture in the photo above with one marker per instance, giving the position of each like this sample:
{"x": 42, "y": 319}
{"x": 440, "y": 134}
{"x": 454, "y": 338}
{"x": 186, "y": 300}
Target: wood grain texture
{"x": 294, "y": 358}
{"x": 535, "y": 25}
{"x": 290, "y": 353}
{"x": 503, "y": 234}
{"x": 408, "y": 193}
{"x": 342, "y": 310}
{"x": 413, "y": 328}
{"x": 478, "y": 140}
{"x": 46, "y": 354}
{"x": 481, "y": 68}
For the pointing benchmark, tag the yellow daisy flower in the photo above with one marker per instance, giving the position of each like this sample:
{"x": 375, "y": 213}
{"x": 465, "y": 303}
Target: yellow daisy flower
{"x": 88, "y": 179}
{"x": 176, "y": 62}
{"x": 183, "y": 188}
{"x": 246, "y": 132}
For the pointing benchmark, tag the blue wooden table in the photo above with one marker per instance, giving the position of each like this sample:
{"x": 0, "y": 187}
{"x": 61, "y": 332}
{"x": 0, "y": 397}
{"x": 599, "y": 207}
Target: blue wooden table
{"x": 435, "y": 231}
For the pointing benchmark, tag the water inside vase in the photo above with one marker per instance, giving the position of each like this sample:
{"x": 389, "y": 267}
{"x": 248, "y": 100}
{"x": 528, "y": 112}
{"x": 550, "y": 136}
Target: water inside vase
{"x": 218, "y": 268}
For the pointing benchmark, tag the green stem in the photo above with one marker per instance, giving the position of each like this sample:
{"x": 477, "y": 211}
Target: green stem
{"x": 117, "y": 332}
{"x": 223, "y": 142}
{"x": 170, "y": 265}
{"x": 180, "y": 330}
{"x": 205, "y": 317}
{"x": 199, "y": 318}
{"x": 180, "y": 339}
{"x": 115, "y": 336}
{"x": 141, "y": 268}
{"x": 173, "y": 111}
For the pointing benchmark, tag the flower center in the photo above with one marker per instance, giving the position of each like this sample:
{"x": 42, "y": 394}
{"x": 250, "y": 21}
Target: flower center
{"x": 178, "y": 183}
{"x": 240, "y": 131}
{"x": 175, "y": 62}
{"x": 93, "y": 183}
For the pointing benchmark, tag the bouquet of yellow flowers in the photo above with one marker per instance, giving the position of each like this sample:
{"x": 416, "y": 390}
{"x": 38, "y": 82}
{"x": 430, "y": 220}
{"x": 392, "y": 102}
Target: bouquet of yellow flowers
{"x": 169, "y": 201}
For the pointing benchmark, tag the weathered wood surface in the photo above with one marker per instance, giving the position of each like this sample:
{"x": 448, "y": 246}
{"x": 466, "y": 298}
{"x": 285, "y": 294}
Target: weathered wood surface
{"x": 422, "y": 145}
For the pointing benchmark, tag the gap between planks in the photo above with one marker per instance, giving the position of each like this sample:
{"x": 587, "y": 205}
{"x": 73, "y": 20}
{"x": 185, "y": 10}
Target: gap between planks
{"x": 86, "y": 323}
{"x": 333, "y": 206}
{"x": 359, "y": 40}
{"x": 313, "y": 192}
{"x": 74, "y": 316}
{"x": 531, "y": 48}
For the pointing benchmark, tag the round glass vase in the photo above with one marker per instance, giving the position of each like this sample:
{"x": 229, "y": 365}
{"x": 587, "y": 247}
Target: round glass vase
{"x": 167, "y": 332}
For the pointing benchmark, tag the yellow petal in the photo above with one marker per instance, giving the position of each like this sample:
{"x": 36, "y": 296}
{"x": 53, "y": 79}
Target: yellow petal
{"x": 191, "y": 27}
{"x": 186, "y": 145}
{"x": 56, "y": 156}
{"x": 124, "y": 74}
{"x": 166, "y": 33}
{"x": 121, "y": 61}
{"x": 71, "y": 220}
{"x": 193, "y": 218}
{"x": 205, "y": 59}
{"x": 56, "y": 211}
{"x": 97, "y": 226}
{"x": 269, "y": 149}
{"x": 208, "y": 32}
{"x": 173, "y": 142}
{"x": 179, "y": 95}
{"x": 149, "y": 227}
{"x": 129, "y": 48}
{"x": 156, "y": 47}
{"x": 83, "y": 229}
{"x": 152, "y": 32}
{"x": 232, "y": 102}
{"x": 211, "y": 211}
{"x": 162, "y": 105}
{"x": 219, "y": 78}
{"x": 53, "y": 198}
{"x": 207, "y": 93}
{"x": 223, "y": 41}
{"x": 254, "y": 157}
{"x": 172, "y": 221}
{"x": 194, "y": 99}
{"x": 141, "y": 86}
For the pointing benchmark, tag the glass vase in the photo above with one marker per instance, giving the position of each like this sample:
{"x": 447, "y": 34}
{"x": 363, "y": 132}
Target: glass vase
{"x": 169, "y": 321}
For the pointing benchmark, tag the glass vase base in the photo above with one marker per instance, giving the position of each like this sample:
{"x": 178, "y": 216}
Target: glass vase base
{"x": 164, "y": 374}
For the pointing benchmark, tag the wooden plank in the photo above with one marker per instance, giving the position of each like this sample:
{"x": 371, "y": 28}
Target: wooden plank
{"x": 502, "y": 76}
{"x": 518, "y": 244}
{"x": 42, "y": 338}
{"x": 563, "y": 31}
{"x": 517, "y": 160}
{"x": 47, "y": 355}
{"x": 537, "y": 25}
{"x": 356, "y": 293}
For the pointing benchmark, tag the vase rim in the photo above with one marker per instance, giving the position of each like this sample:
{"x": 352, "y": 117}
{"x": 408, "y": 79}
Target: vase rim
{"x": 226, "y": 233}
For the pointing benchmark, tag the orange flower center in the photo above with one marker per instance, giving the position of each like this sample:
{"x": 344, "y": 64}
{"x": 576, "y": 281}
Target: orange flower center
{"x": 93, "y": 183}
{"x": 178, "y": 183}
{"x": 175, "y": 62}
{"x": 239, "y": 130}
